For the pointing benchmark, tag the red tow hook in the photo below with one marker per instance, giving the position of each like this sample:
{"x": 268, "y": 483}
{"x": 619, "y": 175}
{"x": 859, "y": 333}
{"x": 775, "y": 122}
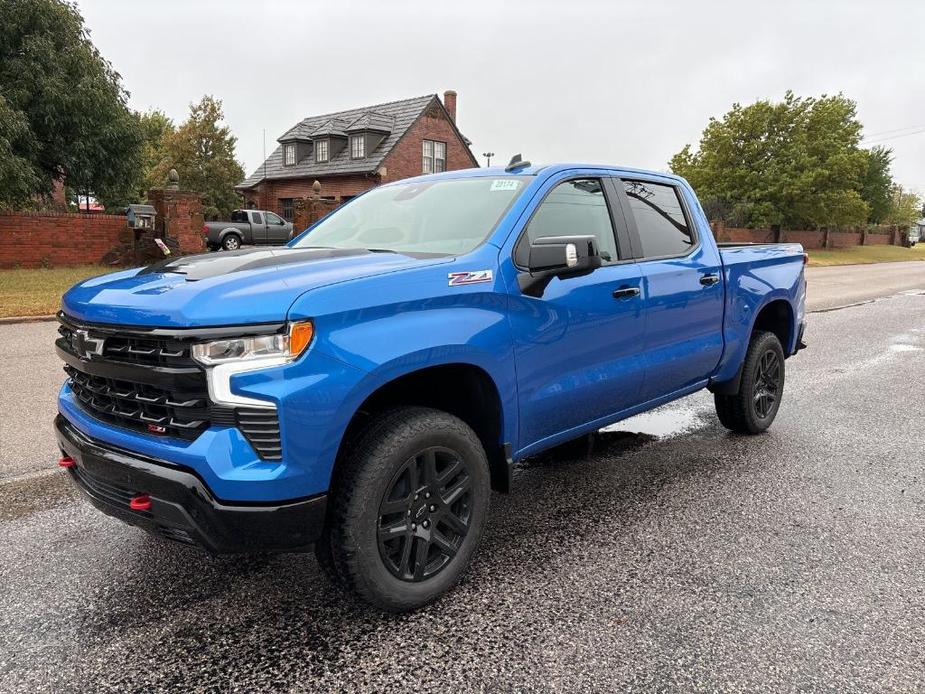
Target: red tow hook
{"x": 140, "y": 502}
{"x": 66, "y": 461}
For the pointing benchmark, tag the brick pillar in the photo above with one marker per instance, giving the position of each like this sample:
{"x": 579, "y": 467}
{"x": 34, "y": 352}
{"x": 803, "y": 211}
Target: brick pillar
{"x": 301, "y": 215}
{"x": 179, "y": 218}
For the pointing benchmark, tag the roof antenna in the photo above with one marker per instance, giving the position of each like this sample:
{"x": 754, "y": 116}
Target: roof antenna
{"x": 516, "y": 163}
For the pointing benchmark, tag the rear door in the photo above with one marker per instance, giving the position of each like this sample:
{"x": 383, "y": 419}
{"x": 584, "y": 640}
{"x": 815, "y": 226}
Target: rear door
{"x": 683, "y": 278}
{"x": 576, "y": 347}
{"x": 258, "y": 227}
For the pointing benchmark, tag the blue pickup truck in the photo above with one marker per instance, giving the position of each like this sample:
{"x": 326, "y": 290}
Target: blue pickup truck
{"x": 362, "y": 390}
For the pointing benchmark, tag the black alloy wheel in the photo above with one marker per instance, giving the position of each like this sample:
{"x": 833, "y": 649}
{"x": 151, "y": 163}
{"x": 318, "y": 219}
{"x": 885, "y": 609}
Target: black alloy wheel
{"x": 767, "y": 383}
{"x": 425, "y": 514}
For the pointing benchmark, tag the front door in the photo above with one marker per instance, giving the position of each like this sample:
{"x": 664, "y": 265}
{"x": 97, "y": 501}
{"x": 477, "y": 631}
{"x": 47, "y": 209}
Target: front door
{"x": 277, "y": 233}
{"x": 684, "y": 287}
{"x": 576, "y": 348}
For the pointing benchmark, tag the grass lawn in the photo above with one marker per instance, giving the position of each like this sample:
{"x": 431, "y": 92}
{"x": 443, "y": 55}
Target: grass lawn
{"x": 861, "y": 255}
{"x": 38, "y": 292}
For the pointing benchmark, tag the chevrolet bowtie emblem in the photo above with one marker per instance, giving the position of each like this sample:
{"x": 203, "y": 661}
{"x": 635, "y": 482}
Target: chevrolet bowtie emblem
{"x": 86, "y": 346}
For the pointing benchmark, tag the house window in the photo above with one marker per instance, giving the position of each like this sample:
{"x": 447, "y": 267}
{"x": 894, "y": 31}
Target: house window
{"x": 287, "y": 208}
{"x": 357, "y": 146}
{"x": 321, "y": 150}
{"x": 289, "y": 155}
{"x": 434, "y": 156}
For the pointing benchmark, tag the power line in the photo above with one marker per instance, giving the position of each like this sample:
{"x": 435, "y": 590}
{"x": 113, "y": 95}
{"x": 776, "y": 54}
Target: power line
{"x": 873, "y": 140}
{"x": 895, "y": 130}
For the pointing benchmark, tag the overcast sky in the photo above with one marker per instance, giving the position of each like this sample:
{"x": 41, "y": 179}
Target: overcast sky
{"x": 623, "y": 83}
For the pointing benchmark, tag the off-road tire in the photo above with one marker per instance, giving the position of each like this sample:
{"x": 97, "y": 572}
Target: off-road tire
{"x": 740, "y": 412}
{"x": 350, "y": 550}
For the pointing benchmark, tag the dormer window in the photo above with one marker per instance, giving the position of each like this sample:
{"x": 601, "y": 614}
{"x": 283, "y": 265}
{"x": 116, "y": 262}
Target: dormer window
{"x": 289, "y": 155}
{"x": 321, "y": 151}
{"x": 357, "y": 146}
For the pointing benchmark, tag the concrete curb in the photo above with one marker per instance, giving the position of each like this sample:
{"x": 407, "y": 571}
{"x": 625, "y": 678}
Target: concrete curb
{"x": 27, "y": 319}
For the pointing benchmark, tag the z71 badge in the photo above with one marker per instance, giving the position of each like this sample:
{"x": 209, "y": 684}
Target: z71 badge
{"x": 477, "y": 277}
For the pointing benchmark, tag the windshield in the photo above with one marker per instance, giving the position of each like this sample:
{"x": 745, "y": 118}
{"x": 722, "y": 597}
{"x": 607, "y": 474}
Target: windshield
{"x": 441, "y": 217}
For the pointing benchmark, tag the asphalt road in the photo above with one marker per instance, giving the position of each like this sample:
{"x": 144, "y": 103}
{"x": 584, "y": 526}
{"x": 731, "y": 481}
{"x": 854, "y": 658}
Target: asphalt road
{"x": 676, "y": 557}
{"x": 840, "y": 285}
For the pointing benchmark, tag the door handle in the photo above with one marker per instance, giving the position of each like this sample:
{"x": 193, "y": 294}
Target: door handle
{"x": 625, "y": 292}
{"x": 709, "y": 280}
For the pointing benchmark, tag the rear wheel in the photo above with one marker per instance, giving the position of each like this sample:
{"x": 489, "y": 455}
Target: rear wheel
{"x": 408, "y": 507}
{"x": 753, "y": 408}
{"x": 231, "y": 242}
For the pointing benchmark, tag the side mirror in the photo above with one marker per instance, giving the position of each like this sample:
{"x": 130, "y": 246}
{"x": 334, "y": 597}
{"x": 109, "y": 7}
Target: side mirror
{"x": 559, "y": 256}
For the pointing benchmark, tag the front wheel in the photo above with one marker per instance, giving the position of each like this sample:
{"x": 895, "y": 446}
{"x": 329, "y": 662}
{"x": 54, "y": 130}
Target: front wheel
{"x": 753, "y": 408}
{"x": 408, "y": 506}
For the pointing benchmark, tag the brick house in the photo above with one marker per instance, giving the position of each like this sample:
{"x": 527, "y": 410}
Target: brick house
{"x": 352, "y": 151}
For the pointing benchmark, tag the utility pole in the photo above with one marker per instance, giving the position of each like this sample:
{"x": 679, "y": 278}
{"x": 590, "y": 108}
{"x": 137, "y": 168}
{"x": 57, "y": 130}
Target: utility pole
{"x": 488, "y": 156}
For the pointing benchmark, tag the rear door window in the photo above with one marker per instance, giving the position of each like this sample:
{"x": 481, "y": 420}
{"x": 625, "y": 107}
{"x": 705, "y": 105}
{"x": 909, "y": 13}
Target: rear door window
{"x": 256, "y": 218}
{"x": 660, "y": 220}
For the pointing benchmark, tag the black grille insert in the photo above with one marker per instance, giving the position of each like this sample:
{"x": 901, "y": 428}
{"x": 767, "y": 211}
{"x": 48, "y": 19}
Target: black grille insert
{"x": 142, "y": 407}
{"x": 134, "y": 349}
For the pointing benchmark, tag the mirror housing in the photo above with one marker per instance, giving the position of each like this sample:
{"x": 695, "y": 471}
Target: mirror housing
{"x": 558, "y": 256}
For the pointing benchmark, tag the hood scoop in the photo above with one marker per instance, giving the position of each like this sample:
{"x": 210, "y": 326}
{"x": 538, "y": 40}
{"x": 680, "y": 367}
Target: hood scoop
{"x": 206, "y": 265}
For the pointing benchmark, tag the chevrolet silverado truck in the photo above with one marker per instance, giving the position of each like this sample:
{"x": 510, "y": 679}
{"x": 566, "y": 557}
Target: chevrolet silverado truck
{"x": 251, "y": 227}
{"x": 362, "y": 390}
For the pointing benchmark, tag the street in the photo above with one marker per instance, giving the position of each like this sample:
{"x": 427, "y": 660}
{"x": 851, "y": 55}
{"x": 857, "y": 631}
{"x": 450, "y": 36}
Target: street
{"x": 674, "y": 557}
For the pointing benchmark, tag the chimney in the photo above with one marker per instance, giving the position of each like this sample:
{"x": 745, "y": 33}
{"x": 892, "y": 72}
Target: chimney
{"x": 449, "y": 101}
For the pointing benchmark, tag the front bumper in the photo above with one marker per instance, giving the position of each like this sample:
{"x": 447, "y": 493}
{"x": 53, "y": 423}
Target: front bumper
{"x": 182, "y": 506}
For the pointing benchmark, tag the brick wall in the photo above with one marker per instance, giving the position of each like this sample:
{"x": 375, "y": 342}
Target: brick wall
{"x": 877, "y": 240}
{"x": 37, "y": 239}
{"x": 809, "y": 239}
{"x": 267, "y": 195}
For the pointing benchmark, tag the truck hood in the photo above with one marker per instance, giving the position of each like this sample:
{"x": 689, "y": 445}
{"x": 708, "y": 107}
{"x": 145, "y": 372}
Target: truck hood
{"x": 227, "y": 288}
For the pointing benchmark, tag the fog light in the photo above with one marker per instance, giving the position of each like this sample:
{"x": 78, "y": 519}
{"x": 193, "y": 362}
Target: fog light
{"x": 140, "y": 502}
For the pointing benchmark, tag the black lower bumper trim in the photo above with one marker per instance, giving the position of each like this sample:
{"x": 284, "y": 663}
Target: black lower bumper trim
{"x": 182, "y": 507}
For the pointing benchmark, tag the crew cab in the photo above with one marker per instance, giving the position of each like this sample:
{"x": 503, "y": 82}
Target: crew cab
{"x": 362, "y": 390}
{"x": 251, "y": 227}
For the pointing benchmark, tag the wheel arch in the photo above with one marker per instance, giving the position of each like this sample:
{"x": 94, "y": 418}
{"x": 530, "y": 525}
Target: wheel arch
{"x": 776, "y": 315}
{"x": 463, "y": 389}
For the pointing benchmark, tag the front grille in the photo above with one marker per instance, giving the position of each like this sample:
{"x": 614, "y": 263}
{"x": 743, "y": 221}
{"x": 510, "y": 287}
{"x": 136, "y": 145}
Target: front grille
{"x": 132, "y": 349}
{"x": 142, "y": 407}
{"x": 261, "y": 429}
{"x": 178, "y": 405}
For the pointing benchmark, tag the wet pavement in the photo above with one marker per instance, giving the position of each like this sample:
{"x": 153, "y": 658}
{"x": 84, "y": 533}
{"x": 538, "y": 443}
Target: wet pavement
{"x": 666, "y": 555}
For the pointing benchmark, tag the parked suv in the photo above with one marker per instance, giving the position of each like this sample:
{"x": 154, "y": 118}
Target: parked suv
{"x": 252, "y": 227}
{"x": 363, "y": 389}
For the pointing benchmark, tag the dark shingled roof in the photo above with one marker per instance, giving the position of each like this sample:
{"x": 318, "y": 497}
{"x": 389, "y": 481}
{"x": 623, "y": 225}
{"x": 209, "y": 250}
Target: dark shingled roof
{"x": 394, "y": 118}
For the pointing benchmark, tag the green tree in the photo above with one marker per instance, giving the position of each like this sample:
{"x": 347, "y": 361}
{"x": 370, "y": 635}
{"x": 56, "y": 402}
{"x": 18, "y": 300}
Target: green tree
{"x": 156, "y": 127}
{"x": 65, "y": 107}
{"x": 877, "y": 184}
{"x": 904, "y": 207}
{"x": 795, "y": 163}
{"x": 202, "y": 150}
{"x": 18, "y": 178}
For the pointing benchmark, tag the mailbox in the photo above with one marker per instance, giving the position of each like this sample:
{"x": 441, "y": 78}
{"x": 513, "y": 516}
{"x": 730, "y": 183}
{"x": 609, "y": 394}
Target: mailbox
{"x": 140, "y": 217}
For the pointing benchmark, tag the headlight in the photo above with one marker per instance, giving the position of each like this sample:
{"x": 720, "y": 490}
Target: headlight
{"x": 282, "y": 346}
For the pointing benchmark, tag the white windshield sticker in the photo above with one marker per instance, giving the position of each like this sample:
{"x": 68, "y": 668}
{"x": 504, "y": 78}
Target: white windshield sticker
{"x": 504, "y": 184}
